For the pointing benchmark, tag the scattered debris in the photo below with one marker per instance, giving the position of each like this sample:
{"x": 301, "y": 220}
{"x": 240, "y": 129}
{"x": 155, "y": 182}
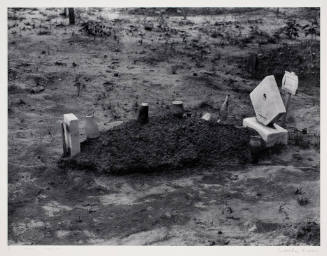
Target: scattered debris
{"x": 206, "y": 116}
{"x": 37, "y": 89}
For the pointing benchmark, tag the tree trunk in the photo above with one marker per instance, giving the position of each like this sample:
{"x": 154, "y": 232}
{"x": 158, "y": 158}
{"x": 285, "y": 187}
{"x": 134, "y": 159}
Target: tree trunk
{"x": 71, "y": 16}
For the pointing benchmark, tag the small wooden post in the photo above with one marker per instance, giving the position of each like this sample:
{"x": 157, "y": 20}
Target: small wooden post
{"x": 78, "y": 88}
{"x": 177, "y": 108}
{"x": 143, "y": 115}
{"x": 252, "y": 64}
{"x": 66, "y": 12}
{"x": 71, "y": 16}
{"x": 287, "y": 104}
{"x": 277, "y": 12}
{"x": 223, "y": 112}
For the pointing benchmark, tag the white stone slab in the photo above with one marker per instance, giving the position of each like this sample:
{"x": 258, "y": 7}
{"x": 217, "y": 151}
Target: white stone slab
{"x": 71, "y": 128}
{"x": 69, "y": 117}
{"x": 206, "y": 116}
{"x": 267, "y": 102}
{"x": 271, "y": 136}
{"x": 290, "y": 82}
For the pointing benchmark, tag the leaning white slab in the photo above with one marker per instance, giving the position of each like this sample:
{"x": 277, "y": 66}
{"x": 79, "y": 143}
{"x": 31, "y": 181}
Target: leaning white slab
{"x": 271, "y": 136}
{"x": 267, "y": 102}
{"x": 71, "y": 127}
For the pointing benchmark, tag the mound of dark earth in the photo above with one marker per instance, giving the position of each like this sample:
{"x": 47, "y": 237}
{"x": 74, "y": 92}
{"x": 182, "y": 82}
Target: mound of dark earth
{"x": 165, "y": 143}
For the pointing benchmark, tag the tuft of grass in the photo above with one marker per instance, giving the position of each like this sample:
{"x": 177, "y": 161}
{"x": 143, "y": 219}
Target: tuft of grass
{"x": 302, "y": 200}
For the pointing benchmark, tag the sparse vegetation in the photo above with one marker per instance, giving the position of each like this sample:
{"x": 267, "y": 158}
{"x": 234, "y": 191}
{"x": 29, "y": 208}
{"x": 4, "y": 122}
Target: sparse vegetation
{"x": 291, "y": 30}
{"x": 108, "y": 63}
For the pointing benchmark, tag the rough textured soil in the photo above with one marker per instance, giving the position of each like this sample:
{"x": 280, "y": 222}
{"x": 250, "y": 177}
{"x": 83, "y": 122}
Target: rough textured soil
{"x": 199, "y": 60}
{"x": 165, "y": 143}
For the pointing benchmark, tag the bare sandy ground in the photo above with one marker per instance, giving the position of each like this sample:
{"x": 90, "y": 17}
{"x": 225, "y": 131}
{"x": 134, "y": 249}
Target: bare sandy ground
{"x": 275, "y": 202}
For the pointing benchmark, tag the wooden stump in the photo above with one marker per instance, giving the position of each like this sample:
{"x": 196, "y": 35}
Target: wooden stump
{"x": 91, "y": 128}
{"x": 143, "y": 115}
{"x": 177, "y": 108}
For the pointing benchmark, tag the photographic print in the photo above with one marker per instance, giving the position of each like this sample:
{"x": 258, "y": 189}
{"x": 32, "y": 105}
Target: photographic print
{"x": 164, "y": 126}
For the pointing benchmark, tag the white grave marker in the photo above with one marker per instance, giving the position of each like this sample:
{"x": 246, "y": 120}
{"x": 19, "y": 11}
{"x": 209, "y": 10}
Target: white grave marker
{"x": 289, "y": 85}
{"x": 271, "y": 135}
{"x": 268, "y": 106}
{"x": 290, "y": 82}
{"x": 267, "y": 101}
{"x": 71, "y": 131}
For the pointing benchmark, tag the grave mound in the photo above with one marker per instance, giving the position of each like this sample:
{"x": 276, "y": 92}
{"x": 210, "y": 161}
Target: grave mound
{"x": 165, "y": 143}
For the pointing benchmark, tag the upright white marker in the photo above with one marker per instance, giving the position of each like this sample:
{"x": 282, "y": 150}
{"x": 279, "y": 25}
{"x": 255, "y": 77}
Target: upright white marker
{"x": 289, "y": 85}
{"x": 71, "y": 131}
